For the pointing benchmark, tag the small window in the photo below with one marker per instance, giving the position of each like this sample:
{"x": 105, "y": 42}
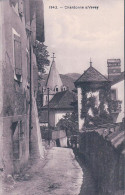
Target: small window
{"x": 56, "y": 89}
{"x": 113, "y": 94}
{"x": 64, "y": 88}
{"x": 17, "y": 57}
{"x": 15, "y": 139}
{"x": 21, "y": 130}
{"x": 28, "y": 66}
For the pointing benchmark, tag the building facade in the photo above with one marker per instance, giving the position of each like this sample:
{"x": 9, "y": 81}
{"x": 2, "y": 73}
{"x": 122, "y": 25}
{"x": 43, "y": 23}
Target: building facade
{"x": 53, "y": 84}
{"x": 100, "y": 98}
{"x": 93, "y": 91}
{"x": 117, "y": 96}
{"x": 59, "y": 106}
{"x": 17, "y": 35}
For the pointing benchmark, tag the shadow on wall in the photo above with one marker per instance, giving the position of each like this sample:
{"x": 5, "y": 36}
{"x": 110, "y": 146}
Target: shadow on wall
{"x": 105, "y": 161}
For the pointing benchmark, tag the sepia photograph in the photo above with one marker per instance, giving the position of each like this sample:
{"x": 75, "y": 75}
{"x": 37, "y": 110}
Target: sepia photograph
{"x": 62, "y": 112}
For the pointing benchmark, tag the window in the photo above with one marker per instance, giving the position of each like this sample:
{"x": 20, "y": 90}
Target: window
{"x": 15, "y": 138}
{"x": 17, "y": 57}
{"x": 56, "y": 88}
{"x": 21, "y": 130}
{"x": 28, "y": 69}
{"x": 113, "y": 94}
{"x": 64, "y": 88}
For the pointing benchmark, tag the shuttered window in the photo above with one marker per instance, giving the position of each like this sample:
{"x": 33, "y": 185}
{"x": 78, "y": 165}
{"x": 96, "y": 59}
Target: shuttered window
{"x": 28, "y": 68}
{"x": 15, "y": 139}
{"x": 17, "y": 55}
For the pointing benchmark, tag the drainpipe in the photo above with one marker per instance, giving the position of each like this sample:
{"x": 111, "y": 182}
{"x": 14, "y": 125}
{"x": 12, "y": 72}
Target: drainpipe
{"x": 30, "y": 112}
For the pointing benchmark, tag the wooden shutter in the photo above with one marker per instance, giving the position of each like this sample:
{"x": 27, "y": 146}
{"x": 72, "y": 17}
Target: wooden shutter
{"x": 17, "y": 55}
{"x": 16, "y": 148}
{"x": 28, "y": 68}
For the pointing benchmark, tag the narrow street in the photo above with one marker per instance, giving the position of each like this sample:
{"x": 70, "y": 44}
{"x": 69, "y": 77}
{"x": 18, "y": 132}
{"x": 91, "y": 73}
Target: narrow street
{"x": 59, "y": 174}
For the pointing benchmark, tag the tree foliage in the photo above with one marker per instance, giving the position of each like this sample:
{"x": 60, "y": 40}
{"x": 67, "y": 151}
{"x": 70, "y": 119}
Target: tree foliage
{"x": 69, "y": 123}
{"x": 42, "y": 55}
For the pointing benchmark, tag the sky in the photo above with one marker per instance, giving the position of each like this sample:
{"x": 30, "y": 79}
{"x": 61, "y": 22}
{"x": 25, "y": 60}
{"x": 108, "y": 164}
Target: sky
{"x": 76, "y": 35}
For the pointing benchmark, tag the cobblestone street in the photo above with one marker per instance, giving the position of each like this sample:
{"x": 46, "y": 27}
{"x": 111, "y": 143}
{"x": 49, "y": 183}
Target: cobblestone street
{"x": 59, "y": 174}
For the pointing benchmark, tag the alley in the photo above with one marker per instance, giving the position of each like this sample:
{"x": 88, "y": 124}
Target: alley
{"x": 60, "y": 174}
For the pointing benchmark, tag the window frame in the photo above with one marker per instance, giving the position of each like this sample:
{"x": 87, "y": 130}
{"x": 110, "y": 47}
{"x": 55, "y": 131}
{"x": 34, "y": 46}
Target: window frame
{"x": 16, "y": 78}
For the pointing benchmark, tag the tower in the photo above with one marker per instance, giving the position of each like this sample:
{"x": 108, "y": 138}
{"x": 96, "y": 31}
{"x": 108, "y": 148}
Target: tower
{"x": 90, "y": 84}
{"x": 114, "y": 68}
{"x": 53, "y": 84}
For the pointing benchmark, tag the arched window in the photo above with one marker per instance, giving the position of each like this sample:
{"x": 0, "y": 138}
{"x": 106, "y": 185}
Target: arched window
{"x": 56, "y": 88}
{"x": 64, "y": 88}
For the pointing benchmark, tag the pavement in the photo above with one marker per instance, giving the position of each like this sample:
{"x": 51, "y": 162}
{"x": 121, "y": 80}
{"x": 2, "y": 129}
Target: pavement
{"x": 59, "y": 174}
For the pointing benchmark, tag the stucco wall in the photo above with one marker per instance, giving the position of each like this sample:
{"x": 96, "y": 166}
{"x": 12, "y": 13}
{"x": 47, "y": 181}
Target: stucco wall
{"x": 80, "y": 120}
{"x": 56, "y": 115}
{"x": 63, "y": 142}
{"x": 1, "y": 83}
{"x": 37, "y": 151}
{"x": 52, "y": 118}
{"x": 59, "y": 115}
{"x": 120, "y": 96}
{"x": 13, "y": 106}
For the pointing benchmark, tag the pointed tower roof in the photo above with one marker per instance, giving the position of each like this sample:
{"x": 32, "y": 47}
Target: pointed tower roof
{"x": 53, "y": 77}
{"x": 91, "y": 75}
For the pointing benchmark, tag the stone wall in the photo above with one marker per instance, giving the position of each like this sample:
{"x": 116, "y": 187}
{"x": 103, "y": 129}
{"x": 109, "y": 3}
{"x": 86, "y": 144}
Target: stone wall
{"x": 105, "y": 161}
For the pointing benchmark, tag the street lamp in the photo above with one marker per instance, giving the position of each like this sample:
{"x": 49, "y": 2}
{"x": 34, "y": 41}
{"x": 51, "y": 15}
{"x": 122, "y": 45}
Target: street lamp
{"x": 48, "y": 116}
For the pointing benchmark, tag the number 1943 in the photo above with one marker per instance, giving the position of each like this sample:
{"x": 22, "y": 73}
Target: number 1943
{"x": 53, "y": 7}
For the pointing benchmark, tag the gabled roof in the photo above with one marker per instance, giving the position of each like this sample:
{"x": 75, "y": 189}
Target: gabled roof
{"x": 118, "y": 78}
{"x": 90, "y": 75}
{"x": 53, "y": 77}
{"x": 62, "y": 100}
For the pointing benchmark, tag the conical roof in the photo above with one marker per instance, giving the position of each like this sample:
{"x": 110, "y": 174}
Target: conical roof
{"x": 53, "y": 79}
{"x": 91, "y": 75}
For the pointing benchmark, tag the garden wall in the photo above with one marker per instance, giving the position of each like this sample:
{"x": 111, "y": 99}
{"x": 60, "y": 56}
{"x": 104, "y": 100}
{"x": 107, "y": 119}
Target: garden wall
{"x": 105, "y": 161}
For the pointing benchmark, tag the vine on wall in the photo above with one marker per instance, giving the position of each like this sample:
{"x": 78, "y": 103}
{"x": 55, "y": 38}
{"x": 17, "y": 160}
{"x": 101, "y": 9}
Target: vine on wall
{"x": 100, "y": 114}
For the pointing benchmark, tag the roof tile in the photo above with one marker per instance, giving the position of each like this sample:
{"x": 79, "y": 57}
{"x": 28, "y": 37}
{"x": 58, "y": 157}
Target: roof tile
{"x": 62, "y": 100}
{"x": 91, "y": 74}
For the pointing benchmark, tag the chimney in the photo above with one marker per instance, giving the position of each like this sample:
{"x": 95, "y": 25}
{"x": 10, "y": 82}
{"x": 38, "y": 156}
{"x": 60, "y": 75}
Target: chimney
{"x": 114, "y": 68}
